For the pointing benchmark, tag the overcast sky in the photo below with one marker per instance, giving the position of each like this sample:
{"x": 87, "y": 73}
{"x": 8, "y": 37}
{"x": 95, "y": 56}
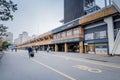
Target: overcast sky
{"x": 36, "y": 16}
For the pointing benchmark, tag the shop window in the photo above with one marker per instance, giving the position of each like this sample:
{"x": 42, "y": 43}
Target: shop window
{"x": 101, "y": 49}
{"x": 68, "y": 33}
{"x": 58, "y": 36}
{"x": 89, "y": 36}
{"x": 63, "y": 34}
{"x": 76, "y": 31}
{"x": 103, "y": 34}
{"x": 91, "y": 48}
{"x": 55, "y": 37}
{"x": 100, "y": 35}
{"x": 97, "y": 35}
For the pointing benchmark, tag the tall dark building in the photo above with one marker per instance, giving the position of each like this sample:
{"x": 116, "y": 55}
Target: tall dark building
{"x": 73, "y": 9}
{"x": 76, "y": 8}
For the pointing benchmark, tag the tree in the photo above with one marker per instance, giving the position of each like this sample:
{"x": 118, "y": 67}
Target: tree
{"x": 3, "y": 30}
{"x": 6, "y": 10}
{"x": 5, "y": 45}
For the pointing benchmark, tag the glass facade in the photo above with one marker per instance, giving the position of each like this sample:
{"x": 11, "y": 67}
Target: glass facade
{"x": 103, "y": 34}
{"x": 58, "y": 36}
{"x": 73, "y": 9}
{"x": 54, "y": 36}
{"x": 63, "y": 34}
{"x": 96, "y": 45}
{"x": 100, "y": 35}
{"x": 75, "y": 31}
{"x": 89, "y": 36}
{"x": 96, "y": 35}
{"x": 68, "y": 33}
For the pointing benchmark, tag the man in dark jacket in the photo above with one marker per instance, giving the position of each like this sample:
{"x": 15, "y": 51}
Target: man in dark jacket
{"x": 30, "y": 52}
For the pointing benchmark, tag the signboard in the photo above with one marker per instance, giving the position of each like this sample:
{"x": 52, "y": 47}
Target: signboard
{"x": 85, "y": 44}
{"x": 11, "y": 46}
{"x": 66, "y": 26}
{"x": 101, "y": 49}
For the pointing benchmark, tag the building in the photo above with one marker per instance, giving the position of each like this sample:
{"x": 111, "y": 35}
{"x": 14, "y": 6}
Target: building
{"x": 17, "y": 41}
{"x": 73, "y": 9}
{"x": 95, "y": 30}
{"x": 22, "y": 38}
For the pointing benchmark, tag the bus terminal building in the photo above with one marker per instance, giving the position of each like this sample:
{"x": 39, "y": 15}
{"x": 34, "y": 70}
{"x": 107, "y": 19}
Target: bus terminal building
{"x": 87, "y": 28}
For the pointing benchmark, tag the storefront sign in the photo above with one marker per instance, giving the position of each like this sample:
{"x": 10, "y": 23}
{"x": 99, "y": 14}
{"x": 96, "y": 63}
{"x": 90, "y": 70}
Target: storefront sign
{"x": 71, "y": 24}
{"x": 68, "y": 40}
{"x": 66, "y": 26}
{"x": 101, "y": 50}
{"x": 85, "y": 44}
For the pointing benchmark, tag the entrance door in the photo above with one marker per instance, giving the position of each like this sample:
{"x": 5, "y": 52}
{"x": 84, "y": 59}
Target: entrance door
{"x": 73, "y": 47}
{"x": 61, "y": 47}
{"x": 91, "y": 48}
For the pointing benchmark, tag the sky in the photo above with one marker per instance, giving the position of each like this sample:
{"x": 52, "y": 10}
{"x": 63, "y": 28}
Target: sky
{"x": 35, "y": 17}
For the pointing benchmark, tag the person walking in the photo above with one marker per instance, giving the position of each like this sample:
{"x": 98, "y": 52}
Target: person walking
{"x": 48, "y": 48}
{"x": 15, "y": 49}
{"x": 30, "y": 52}
{"x": 36, "y": 49}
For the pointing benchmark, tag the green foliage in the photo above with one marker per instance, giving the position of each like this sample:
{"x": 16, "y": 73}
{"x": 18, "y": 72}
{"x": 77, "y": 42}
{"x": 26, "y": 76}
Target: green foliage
{"x": 1, "y": 49}
{"x": 3, "y": 30}
{"x": 5, "y": 45}
{"x": 6, "y": 9}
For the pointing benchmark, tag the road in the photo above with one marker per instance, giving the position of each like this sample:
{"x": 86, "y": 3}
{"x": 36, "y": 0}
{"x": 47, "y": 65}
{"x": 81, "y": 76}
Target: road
{"x": 55, "y": 66}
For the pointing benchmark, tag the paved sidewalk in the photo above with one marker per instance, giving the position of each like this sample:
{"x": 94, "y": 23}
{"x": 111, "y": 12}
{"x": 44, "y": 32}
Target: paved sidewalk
{"x": 1, "y": 54}
{"x": 92, "y": 57}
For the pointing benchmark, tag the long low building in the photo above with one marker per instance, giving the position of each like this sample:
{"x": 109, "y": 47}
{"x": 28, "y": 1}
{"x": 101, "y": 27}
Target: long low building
{"x": 94, "y": 33}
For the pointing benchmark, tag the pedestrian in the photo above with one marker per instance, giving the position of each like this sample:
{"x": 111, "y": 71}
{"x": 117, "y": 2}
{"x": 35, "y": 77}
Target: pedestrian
{"x": 36, "y": 49}
{"x": 48, "y": 48}
{"x": 12, "y": 49}
{"x": 30, "y": 52}
{"x": 15, "y": 49}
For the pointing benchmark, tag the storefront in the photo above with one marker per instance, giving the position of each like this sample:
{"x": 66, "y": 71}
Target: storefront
{"x": 91, "y": 49}
{"x": 96, "y": 38}
{"x": 101, "y": 48}
{"x": 61, "y": 48}
{"x": 73, "y": 47}
{"x": 98, "y": 48}
{"x": 52, "y": 47}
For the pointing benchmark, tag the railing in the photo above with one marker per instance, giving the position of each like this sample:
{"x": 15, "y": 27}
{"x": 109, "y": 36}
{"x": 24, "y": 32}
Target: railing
{"x": 94, "y": 5}
{"x": 103, "y": 3}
